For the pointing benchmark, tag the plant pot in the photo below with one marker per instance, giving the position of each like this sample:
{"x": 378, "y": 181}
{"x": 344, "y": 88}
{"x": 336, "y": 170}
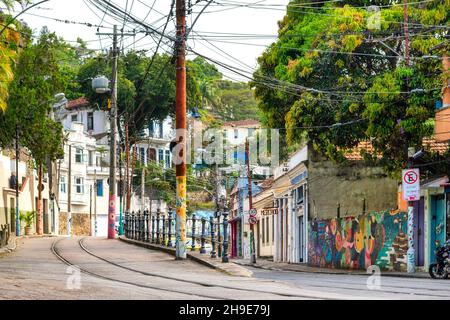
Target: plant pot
{"x": 28, "y": 231}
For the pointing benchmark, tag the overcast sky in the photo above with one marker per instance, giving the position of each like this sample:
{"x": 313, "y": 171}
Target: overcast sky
{"x": 236, "y": 20}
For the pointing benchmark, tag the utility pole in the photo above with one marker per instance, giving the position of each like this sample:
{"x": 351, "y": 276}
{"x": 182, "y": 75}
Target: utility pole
{"x": 250, "y": 200}
{"x": 120, "y": 196}
{"x": 127, "y": 167}
{"x": 69, "y": 195}
{"x": 113, "y": 150}
{"x": 410, "y": 253}
{"x": 17, "y": 182}
{"x": 95, "y": 202}
{"x": 181, "y": 129}
{"x": 90, "y": 211}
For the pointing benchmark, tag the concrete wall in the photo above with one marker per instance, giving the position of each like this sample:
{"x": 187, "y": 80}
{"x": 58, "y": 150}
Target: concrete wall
{"x": 330, "y": 184}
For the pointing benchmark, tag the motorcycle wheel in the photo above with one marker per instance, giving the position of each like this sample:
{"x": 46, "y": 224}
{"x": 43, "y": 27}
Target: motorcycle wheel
{"x": 435, "y": 273}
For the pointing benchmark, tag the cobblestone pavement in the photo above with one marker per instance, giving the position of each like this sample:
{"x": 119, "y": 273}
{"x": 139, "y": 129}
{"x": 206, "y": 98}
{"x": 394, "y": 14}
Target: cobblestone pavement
{"x": 116, "y": 270}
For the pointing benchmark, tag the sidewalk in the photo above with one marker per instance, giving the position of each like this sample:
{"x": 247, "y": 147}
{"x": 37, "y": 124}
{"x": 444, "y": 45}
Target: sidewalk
{"x": 15, "y": 242}
{"x": 297, "y": 267}
{"x": 205, "y": 259}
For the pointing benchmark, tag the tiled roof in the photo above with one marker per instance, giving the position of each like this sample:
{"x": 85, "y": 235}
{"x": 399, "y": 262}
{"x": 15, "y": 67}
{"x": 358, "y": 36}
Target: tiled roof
{"x": 242, "y": 123}
{"x": 80, "y": 102}
{"x": 429, "y": 144}
{"x": 355, "y": 153}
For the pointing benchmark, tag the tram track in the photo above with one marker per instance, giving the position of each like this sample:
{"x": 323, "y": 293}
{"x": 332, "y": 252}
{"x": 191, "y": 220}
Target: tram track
{"x": 58, "y": 254}
{"x": 204, "y": 284}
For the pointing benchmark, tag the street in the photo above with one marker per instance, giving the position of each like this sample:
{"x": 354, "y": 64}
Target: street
{"x": 110, "y": 269}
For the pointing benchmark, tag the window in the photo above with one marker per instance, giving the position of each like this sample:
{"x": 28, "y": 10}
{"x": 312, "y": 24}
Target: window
{"x": 74, "y": 117}
{"x": 99, "y": 188}
{"x": 78, "y": 155}
{"x": 151, "y": 154}
{"x": 161, "y": 129}
{"x": 299, "y": 194}
{"x": 79, "y": 186}
{"x": 142, "y": 155}
{"x": 161, "y": 156}
{"x": 168, "y": 162}
{"x": 90, "y": 121}
{"x": 62, "y": 184}
{"x": 267, "y": 229}
{"x": 251, "y": 131}
{"x": 151, "y": 128}
{"x": 236, "y": 133}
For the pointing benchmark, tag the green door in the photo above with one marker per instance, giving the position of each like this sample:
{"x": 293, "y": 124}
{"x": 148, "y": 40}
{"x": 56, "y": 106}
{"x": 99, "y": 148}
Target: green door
{"x": 437, "y": 225}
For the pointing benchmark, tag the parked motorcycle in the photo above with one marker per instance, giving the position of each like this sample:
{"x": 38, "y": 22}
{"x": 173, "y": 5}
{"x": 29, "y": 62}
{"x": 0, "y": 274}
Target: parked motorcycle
{"x": 441, "y": 269}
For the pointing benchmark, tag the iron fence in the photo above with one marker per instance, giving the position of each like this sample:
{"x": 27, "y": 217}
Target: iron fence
{"x": 208, "y": 236}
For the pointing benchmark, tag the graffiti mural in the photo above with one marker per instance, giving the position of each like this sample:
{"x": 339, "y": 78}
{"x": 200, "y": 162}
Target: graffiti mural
{"x": 357, "y": 243}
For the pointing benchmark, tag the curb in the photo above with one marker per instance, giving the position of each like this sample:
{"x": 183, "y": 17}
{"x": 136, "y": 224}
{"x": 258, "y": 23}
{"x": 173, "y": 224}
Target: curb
{"x": 396, "y": 275}
{"x": 213, "y": 265}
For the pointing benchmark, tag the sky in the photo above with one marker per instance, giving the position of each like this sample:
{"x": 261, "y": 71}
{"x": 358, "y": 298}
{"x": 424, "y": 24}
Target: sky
{"x": 216, "y": 19}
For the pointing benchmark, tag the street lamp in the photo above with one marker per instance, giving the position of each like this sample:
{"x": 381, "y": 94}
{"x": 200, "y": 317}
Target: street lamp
{"x": 58, "y": 97}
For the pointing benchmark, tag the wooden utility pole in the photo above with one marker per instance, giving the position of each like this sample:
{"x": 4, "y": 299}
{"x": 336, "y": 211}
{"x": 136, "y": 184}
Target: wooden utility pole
{"x": 180, "y": 150}
{"x": 250, "y": 200}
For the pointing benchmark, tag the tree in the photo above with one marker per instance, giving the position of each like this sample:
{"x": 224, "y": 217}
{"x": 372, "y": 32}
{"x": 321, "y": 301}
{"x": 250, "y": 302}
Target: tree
{"x": 330, "y": 65}
{"x": 37, "y": 79}
{"x": 225, "y": 100}
{"x": 9, "y": 50}
{"x": 142, "y": 96}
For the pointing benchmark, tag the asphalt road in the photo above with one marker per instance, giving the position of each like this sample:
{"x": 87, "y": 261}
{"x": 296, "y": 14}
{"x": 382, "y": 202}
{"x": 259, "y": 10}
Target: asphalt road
{"x": 44, "y": 268}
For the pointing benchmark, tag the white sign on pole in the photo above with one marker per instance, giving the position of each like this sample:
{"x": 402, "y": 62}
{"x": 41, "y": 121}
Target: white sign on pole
{"x": 411, "y": 184}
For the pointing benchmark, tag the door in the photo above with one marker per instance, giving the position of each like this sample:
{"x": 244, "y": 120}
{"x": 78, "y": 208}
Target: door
{"x": 437, "y": 225}
{"x": 45, "y": 215}
{"x": 301, "y": 241}
{"x": 419, "y": 231}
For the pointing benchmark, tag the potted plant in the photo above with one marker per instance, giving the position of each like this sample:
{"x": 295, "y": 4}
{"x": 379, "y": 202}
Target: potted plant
{"x": 28, "y": 219}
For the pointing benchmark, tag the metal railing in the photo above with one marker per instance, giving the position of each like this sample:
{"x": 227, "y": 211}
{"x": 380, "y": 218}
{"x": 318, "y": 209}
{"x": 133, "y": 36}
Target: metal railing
{"x": 203, "y": 235}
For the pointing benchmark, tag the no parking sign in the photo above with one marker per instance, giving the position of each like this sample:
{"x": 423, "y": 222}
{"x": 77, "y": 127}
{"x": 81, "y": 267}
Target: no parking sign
{"x": 411, "y": 184}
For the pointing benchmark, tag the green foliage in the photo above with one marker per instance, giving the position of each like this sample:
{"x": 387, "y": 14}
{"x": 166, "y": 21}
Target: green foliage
{"x": 222, "y": 100}
{"x": 27, "y": 218}
{"x": 37, "y": 79}
{"x": 329, "y": 67}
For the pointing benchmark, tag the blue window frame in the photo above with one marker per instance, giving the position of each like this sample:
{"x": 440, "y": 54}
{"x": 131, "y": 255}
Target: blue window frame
{"x": 99, "y": 188}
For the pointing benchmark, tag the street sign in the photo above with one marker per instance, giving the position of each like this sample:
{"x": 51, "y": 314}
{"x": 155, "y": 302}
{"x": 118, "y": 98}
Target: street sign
{"x": 253, "y": 212}
{"x": 411, "y": 184}
{"x": 252, "y": 220}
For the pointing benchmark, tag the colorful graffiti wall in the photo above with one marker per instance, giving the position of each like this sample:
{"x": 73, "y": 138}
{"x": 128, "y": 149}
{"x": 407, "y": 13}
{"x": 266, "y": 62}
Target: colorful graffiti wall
{"x": 357, "y": 243}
